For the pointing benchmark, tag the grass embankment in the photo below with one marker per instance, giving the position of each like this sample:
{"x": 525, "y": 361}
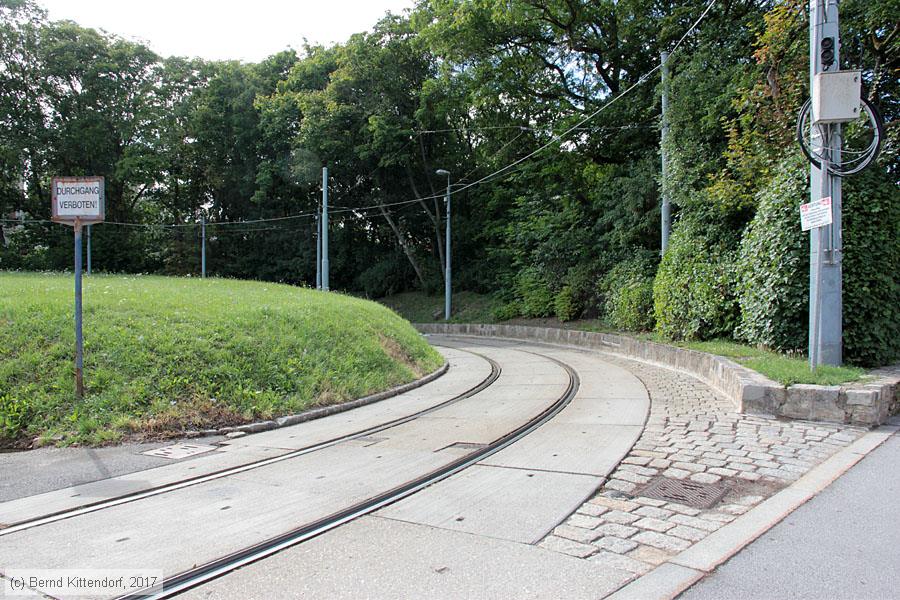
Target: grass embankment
{"x": 163, "y": 355}
{"x": 476, "y": 308}
{"x": 779, "y": 367}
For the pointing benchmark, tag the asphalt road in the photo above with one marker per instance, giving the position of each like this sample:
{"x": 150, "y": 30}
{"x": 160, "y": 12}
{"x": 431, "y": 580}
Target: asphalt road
{"x": 842, "y": 544}
{"x": 38, "y": 471}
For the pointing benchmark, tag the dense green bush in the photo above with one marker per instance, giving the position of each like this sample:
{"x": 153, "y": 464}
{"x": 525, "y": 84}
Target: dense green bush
{"x": 693, "y": 293}
{"x": 628, "y": 294}
{"x": 871, "y": 266}
{"x": 536, "y": 297}
{"x": 566, "y": 304}
{"x": 773, "y": 267}
{"x": 507, "y": 311}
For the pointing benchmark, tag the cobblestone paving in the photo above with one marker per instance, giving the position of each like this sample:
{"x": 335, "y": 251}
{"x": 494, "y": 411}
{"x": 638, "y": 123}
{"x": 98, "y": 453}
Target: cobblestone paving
{"x": 692, "y": 434}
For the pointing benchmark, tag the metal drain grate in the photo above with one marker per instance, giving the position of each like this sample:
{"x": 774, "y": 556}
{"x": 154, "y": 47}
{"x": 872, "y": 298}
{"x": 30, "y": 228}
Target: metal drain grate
{"x": 689, "y": 493}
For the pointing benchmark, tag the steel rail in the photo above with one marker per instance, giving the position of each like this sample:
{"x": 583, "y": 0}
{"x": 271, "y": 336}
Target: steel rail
{"x": 198, "y": 575}
{"x": 199, "y": 479}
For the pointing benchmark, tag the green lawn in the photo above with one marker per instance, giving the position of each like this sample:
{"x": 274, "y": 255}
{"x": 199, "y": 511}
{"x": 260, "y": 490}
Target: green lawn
{"x": 779, "y": 367}
{"x": 475, "y": 308}
{"x": 167, "y": 354}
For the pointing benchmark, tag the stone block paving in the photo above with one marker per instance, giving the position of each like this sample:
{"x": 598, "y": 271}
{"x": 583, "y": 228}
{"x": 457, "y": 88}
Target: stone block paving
{"x": 692, "y": 434}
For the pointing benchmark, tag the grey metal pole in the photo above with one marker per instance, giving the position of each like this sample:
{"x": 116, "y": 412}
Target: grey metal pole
{"x": 447, "y": 287}
{"x": 203, "y": 246}
{"x": 325, "y": 228}
{"x": 825, "y": 256}
{"x": 666, "y": 209}
{"x": 79, "y": 338}
{"x": 88, "y": 227}
{"x": 318, "y": 248}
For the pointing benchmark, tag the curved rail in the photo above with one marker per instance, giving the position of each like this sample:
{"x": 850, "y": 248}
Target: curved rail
{"x": 170, "y": 487}
{"x": 206, "y": 572}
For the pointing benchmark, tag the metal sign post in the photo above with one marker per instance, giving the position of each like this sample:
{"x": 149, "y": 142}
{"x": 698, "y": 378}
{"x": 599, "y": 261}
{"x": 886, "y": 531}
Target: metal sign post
{"x": 78, "y": 201}
{"x": 87, "y": 230}
{"x": 79, "y": 336}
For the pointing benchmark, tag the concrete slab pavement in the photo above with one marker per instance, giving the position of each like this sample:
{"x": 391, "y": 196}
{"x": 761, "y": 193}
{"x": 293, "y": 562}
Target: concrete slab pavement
{"x": 418, "y": 561}
{"x": 520, "y": 505}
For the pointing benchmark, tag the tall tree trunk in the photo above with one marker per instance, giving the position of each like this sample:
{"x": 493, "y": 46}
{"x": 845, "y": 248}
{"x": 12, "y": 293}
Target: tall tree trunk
{"x": 435, "y": 218}
{"x": 403, "y": 244}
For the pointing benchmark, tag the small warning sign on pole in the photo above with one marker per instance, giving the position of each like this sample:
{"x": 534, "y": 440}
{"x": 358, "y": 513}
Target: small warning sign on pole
{"x": 76, "y": 202}
{"x": 815, "y": 214}
{"x": 78, "y": 199}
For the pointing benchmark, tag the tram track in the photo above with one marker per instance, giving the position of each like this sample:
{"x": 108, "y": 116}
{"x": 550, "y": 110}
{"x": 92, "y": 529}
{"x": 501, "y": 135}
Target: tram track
{"x": 200, "y": 574}
{"x": 87, "y": 508}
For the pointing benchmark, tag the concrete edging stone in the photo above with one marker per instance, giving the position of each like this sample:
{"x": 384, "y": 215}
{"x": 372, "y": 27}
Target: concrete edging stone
{"x": 869, "y": 403}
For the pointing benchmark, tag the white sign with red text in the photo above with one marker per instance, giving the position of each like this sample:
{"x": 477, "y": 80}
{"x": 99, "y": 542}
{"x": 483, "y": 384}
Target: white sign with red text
{"x": 815, "y": 214}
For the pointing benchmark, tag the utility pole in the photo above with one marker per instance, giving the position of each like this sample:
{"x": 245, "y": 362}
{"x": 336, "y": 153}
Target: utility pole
{"x": 318, "y": 247}
{"x": 447, "y": 286}
{"x": 203, "y": 246}
{"x": 666, "y": 224}
{"x": 825, "y": 251}
{"x": 325, "y": 228}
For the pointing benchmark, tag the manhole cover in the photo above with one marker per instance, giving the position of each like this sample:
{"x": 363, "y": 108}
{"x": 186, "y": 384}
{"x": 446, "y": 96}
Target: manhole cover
{"x": 177, "y": 451}
{"x": 467, "y": 446}
{"x": 366, "y": 440}
{"x": 689, "y": 493}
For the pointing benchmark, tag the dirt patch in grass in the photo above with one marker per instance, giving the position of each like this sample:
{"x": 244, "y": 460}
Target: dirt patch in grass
{"x": 396, "y": 352}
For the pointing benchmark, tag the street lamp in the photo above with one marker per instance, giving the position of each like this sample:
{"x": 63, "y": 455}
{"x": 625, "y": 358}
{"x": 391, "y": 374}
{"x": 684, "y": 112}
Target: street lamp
{"x": 443, "y": 172}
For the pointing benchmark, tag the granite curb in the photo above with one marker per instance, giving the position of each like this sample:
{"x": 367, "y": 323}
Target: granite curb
{"x": 324, "y": 411}
{"x": 680, "y": 572}
{"x": 868, "y": 403}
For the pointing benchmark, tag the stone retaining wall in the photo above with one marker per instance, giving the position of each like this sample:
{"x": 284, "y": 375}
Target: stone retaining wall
{"x": 868, "y": 403}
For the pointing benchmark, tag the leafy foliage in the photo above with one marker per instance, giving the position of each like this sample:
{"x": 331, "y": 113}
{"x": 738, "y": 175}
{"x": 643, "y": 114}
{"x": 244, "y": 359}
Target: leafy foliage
{"x": 693, "y": 293}
{"x": 871, "y": 264}
{"x": 773, "y": 268}
{"x": 480, "y": 89}
{"x": 565, "y": 305}
{"x": 537, "y": 298}
{"x": 628, "y": 292}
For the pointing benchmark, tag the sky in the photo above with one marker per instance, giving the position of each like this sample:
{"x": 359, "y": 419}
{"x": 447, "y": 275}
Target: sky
{"x": 222, "y": 29}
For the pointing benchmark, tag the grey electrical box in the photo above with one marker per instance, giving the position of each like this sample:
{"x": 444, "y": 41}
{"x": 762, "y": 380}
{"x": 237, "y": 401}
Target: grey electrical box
{"x": 836, "y": 96}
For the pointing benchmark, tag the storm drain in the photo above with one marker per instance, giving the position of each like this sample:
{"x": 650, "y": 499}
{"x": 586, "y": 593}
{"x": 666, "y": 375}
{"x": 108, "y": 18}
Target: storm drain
{"x": 681, "y": 491}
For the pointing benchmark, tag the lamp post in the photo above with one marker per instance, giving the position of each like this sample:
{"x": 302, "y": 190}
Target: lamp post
{"x": 443, "y": 172}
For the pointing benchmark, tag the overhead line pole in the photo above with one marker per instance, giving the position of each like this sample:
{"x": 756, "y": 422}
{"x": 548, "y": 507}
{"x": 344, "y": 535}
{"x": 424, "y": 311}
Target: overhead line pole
{"x": 325, "y": 228}
{"x": 825, "y": 243}
{"x": 447, "y": 286}
{"x": 666, "y": 209}
{"x": 203, "y": 246}
{"x": 318, "y": 247}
